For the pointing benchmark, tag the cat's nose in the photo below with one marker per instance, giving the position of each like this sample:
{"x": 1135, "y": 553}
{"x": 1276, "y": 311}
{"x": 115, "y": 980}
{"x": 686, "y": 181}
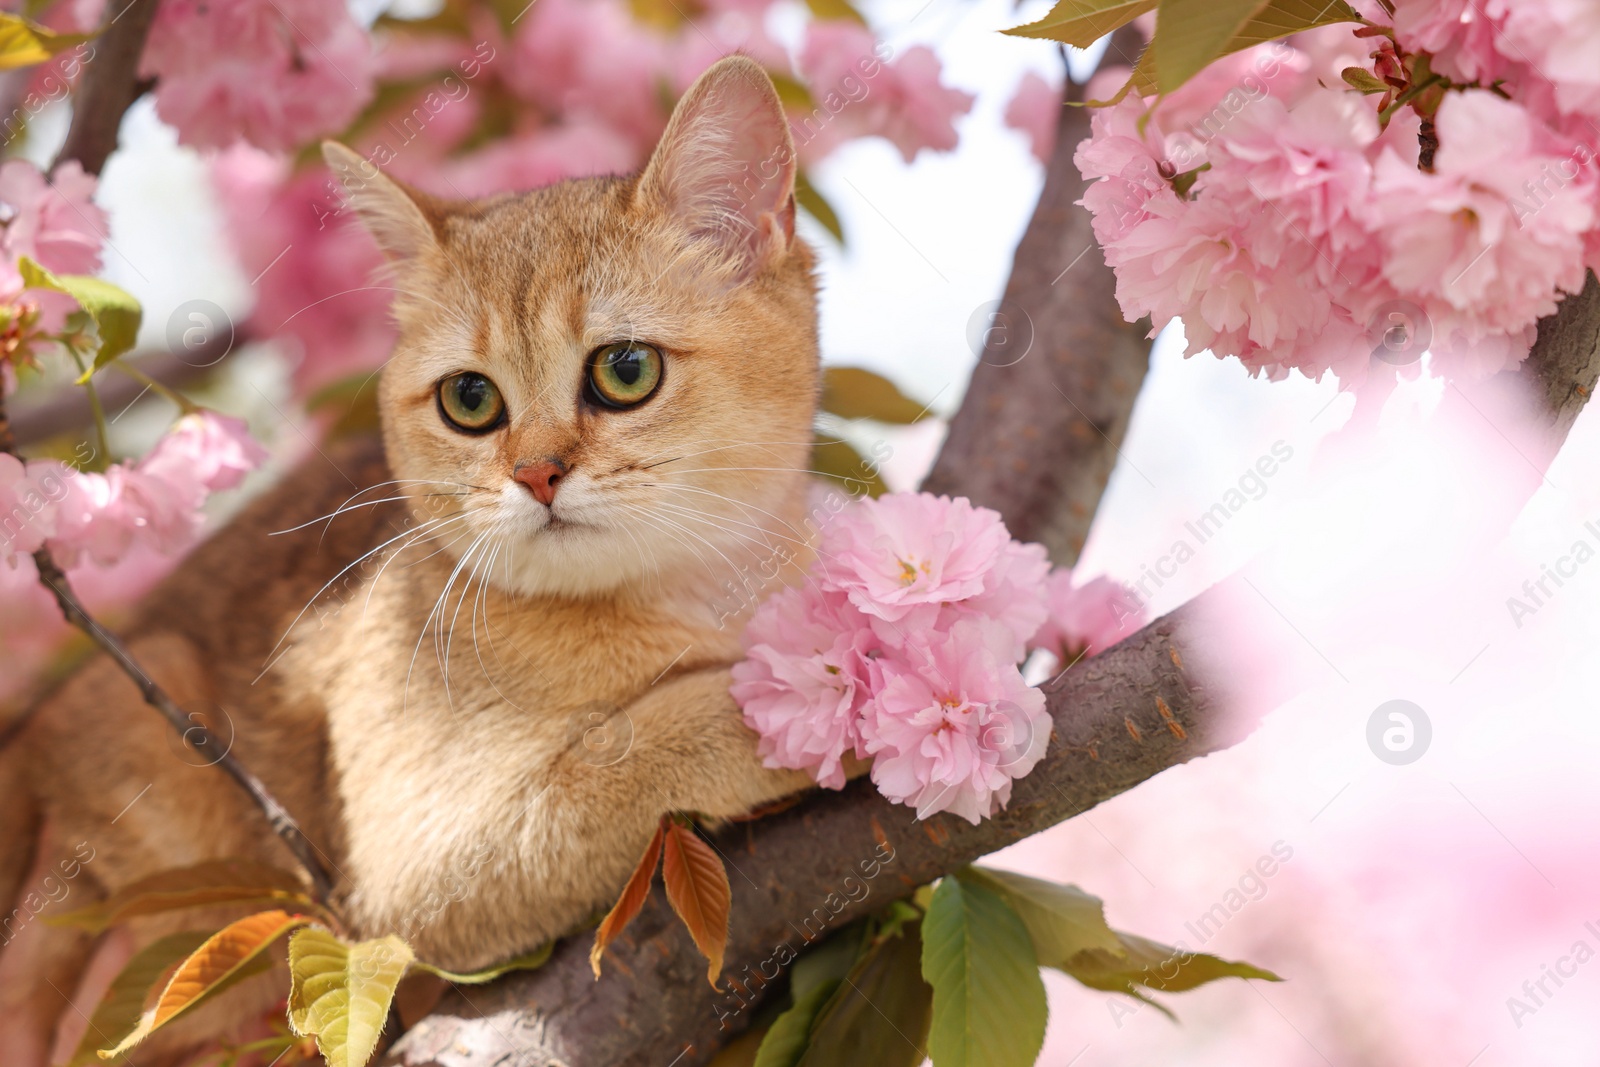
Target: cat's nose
{"x": 540, "y": 478}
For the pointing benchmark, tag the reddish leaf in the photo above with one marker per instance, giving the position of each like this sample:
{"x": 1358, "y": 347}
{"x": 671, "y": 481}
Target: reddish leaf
{"x": 226, "y": 956}
{"x": 698, "y": 890}
{"x": 631, "y": 900}
{"x": 229, "y": 881}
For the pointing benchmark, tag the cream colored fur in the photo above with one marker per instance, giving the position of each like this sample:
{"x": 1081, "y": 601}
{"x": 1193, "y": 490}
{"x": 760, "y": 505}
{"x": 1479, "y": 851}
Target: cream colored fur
{"x": 480, "y": 724}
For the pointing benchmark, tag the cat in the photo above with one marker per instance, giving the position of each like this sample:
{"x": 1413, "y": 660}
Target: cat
{"x": 597, "y": 415}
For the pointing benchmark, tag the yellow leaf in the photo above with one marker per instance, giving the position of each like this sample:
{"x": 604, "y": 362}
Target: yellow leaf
{"x": 227, "y": 956}
{"x": 833, "y": 458}
{"x": 835, "y": 9}
{"x": 1192, "y": 33}
{"x": 698, "y": 890}
{"x": 858, "y": 393}
{"x": 1081, "y": 23}
{"x": 340, "y": 993}
{"x": 232, "y": 881}
{"x": 24, "y": 43}
{"x": 632, "y": 898}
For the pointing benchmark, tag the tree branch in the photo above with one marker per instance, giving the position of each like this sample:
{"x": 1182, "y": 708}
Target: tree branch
{"x": 110, "y": 84}
{"x": 1060, "y": 367}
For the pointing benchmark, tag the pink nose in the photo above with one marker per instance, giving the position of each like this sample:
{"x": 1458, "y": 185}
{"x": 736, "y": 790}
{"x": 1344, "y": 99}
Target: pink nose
{"x": 541, "y": 478}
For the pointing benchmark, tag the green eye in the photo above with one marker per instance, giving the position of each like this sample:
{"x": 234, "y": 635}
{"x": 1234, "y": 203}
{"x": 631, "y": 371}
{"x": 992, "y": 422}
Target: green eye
{"x": 470, "y": 402}
{"x": 622, "y": 375}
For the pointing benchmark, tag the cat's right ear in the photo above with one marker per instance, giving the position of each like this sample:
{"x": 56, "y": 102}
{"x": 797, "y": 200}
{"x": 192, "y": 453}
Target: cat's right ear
{"x": 404, "y": 221}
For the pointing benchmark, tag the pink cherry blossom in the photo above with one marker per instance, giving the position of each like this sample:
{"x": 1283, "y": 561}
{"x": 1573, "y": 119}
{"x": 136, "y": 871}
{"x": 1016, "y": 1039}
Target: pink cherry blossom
{"x": 1035, "y": 108}
{"x": 859, "y": 92}
{"x": 906, "y": 550}
{"x": 1087, "y": 619}
{"x": 27, "y": 508}
{"x": 952, "y": 726}
{"x": 805, "y": 681}
{"x": 54, "y": 222}
{"x": 314, "y": 267}
{"x": 275, "y": 72}
{"x": 154, "y": 502}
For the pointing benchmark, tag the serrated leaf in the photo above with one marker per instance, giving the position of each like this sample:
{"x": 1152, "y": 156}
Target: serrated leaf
{"x": 115, "y": 311}
{"x": 858, "y": 393}
{"x": 988, "y": 1000}
{"x": 632, "y": 898}
{"x": 1190, "y": 34}
{"x": 119, "y": 1010}
{"x": 698, "y": 890}
{"x": 1277, "y": 19}
{"x": 24, "y": 43}
{"x": 833, "y": 458}
{"x": 340, "y": 993}
{"x": 1147, "y": 963}
{"x": 880, "y": 1014}
{"x": 789, "y": 1035}
{"x": 815, "y": 205}
{"x": 1081, "y": 23}
{"x": 528, "y": 961}
{"x": 232, "y": 881}
{"x": 1364, "y": 80}
{"x": 1063, "y": 920}
{"x": 226, "y": 957}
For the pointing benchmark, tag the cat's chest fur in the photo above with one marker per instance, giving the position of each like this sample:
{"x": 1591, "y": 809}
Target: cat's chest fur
{"x": 447, "y": 720}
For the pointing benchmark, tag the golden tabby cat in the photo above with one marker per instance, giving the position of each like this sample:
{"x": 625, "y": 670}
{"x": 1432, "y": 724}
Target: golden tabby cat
{"x": 596, "y": 415}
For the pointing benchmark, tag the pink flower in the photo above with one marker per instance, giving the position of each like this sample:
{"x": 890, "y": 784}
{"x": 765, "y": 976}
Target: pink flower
{"x": 1461, "y": 35}
{"x": 27, "y": 508}
{"x": 1087, "y": 619}
{"x": 275, "y": 72}
{"x": 805, "y": 681}
{"x": 156, "y": 501}
{"x": 952, "y": 726}
{"x": 1035, "y": 109}
{"x": 314, "y": 267}
{"x": 859, "y": 94}
{"x": 216, "y": 451}
{"x": 906, "y": 550}
{"x": 54, "y": 222}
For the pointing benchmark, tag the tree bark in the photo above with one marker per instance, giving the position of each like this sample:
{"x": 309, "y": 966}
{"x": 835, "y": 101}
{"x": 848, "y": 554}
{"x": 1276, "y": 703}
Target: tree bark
{"x": 1159, "y": 699}
{"x": 1050, "y": 400}
{"x": 110, "y": 84}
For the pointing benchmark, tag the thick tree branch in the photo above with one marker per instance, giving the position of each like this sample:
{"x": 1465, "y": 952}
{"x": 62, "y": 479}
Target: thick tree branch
{"x": 110, "y": 84}
{"x": 1060, "y": 367}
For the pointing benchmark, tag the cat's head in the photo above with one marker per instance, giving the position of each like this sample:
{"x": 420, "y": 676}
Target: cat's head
{"x": 610, "y": 380}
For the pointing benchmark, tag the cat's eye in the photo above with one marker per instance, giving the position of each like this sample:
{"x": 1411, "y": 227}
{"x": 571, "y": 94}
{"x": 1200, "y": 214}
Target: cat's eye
{"x": 622, "y": 375}
{"x": 470, "y": 402}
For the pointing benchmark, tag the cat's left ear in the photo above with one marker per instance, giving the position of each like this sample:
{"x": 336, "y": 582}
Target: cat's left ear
{"x": 726, "y": 165}
{"x": 404, "y": 220}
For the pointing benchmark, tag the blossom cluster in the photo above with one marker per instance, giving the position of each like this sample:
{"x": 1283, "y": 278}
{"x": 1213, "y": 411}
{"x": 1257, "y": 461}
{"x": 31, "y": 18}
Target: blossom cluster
{"x": 1290, "y": 212}
{"x": 903, "y": 646}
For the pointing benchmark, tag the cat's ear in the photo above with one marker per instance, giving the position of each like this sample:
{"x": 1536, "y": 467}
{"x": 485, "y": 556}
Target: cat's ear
{"x": 404, "y": 221}
{"x": 726, "y": 165}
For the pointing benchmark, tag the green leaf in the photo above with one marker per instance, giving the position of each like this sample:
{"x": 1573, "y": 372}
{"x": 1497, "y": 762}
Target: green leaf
{"x": 1190, "y": 34}
{"x": 340, "y": 993}
{"x": 856, "y": 393}
{"x": 829, "y": 961}
{"x": 790, "y": 1035}
{"x": 528, "y": 961}
{"x": 833, "y": 458}
{"x": 880, "y": 1014}
{"x": 1063, "y": 920}
{"x": 1364, "y": 80}
{"x": 123, "y": 1002}
{"x": 1081, "y": 23}
{"x": 234, "y": 881}
{"x": 988, "y": 1000}
{"x": 806, "y": 195}
{"x": 115, "y": 311}
{"x": 1147, "y": 963}
{"x": 24, "y": 43}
